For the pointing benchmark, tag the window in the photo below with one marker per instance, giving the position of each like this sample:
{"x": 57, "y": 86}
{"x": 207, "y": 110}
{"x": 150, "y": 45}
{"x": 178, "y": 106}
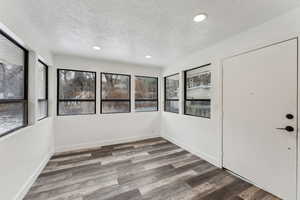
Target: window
{"x": 13, "y": 85}
{"x": 171, "y": 93}
{"x": 42, "y": 83}
{"x": 76, "y": 92}
{"x": 115, "y": 93}
{"x": 197, "y": 92}
{"x": 146, "y": 94}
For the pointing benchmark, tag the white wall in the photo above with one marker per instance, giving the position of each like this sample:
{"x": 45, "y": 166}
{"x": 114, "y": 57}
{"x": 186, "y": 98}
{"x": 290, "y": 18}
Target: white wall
{"x": 203, "y": 136}
{"x": 72, "y": 132}
{"x": 24, "y": 152}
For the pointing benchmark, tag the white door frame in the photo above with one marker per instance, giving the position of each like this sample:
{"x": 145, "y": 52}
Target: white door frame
{"x": 297, "y": 112}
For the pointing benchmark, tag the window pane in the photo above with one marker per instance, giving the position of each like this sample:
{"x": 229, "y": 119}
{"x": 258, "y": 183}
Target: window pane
{"x": 11, "y": 116}
{"x": 198, "y": 108}
{"x": 198, "y": 84}
{"x": 115, "y": 86}
{"x": 76, "y": 107}
{"x": 172, "y": 106}
{"x": 76, "y": 84}
{"x": 10, "y": 52}
{"x": 145, "y": 88}
{"x": 43, "y": 109}
{"x": 141, "y": 106}
{"x": 41, "y": 80}
{"x": 172, "y": 87}
{"x": 115, "y": 106}
{"x": 11, "y": 70}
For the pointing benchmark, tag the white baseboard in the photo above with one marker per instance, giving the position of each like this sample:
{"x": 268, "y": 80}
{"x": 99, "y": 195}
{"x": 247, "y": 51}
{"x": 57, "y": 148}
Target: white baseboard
{"x": 26, "y": 187}
{"x": 202, "y": 155}
{"x": 103, "y": 143}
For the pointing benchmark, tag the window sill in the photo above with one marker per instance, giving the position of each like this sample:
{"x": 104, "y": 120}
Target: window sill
{"x": 14, "y": 132}
{"x": 177, "y": 113}
{"x": 197, "y": 116}
{"x": 152, "y": 111}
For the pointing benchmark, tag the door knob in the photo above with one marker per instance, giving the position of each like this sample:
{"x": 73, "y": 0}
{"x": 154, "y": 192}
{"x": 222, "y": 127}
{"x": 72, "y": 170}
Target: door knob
{"x": 287, "y": 128}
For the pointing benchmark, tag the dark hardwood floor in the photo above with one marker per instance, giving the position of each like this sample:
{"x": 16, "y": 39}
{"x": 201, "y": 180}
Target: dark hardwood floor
{"x": 150, "y": 169}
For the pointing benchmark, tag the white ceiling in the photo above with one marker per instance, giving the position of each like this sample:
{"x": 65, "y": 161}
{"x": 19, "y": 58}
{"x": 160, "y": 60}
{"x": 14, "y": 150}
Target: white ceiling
{"x": 127, "y": 30}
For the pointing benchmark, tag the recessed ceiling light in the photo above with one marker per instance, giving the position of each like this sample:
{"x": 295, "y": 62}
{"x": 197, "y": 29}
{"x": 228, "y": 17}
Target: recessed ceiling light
{"x": 200, "y": 17}
{"x": 148, "y": 56}
{"x": 96, "y": 48}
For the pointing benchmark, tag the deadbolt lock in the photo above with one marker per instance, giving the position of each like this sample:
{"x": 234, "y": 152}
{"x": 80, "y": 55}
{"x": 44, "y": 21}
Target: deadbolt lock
{"x": 289, "y": 116}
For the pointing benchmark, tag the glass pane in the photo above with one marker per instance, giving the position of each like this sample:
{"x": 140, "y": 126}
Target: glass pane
{"x": 11, "y": 70}
{"x": 11, "y": 116}
{"x": 172, "y": 87}
{"x": 41, "y": 80}
{"x": 76, "y": 107}
{"x": 198, "y": 108}
{"x": 43, "y": 109}
{"x": 145, "y": 88}
{"x": 115, "y": 86}
{"x": 115, "y": 107}
{"x": 76, "y": 85}
{"x": 144, "y": 106}
{"x": 172, "y": 106}
{"x": 198, "y": 84}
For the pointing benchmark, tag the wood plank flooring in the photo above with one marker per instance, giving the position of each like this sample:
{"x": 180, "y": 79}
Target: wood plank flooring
{"x": 152, "y": 169}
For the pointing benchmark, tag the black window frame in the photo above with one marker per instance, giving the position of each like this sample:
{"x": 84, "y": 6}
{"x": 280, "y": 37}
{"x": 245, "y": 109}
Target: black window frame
{"x": 165, "y": 94}
{"x": 25, "y": 98}
{"x": 79, "y": 100}
{"x": 114, "y": 100}
{"x": 149, "y": 100}
{"x": 185, "y": 92}
{"x": 46, "y": 92}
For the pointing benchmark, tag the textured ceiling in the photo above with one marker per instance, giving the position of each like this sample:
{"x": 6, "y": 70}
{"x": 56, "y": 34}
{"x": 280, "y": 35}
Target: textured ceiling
{"x": 127, "y": 30}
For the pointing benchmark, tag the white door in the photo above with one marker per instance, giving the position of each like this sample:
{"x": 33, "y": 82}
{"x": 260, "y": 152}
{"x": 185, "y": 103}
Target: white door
{"x": 259, "y": 91}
